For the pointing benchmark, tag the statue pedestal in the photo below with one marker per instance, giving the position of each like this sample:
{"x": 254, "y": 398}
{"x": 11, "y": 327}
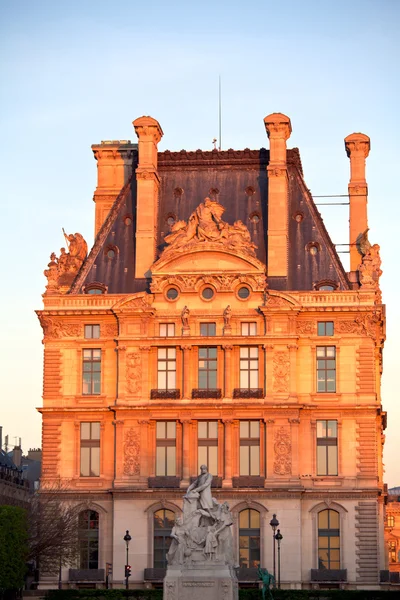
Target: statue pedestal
{"x": 211, "y": 580}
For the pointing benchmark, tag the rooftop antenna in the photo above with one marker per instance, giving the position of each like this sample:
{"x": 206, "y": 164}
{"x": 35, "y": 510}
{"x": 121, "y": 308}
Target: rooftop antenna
{"x": 219, "y": 113}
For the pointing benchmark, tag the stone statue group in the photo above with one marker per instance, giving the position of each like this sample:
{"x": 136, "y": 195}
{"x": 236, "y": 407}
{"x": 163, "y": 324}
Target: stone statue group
{"x": 204, "y": 531}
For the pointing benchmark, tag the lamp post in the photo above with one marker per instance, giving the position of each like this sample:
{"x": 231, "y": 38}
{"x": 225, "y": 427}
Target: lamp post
{"x": 279, "y": 538}
{"x": 127, "y": 539}
{"x": 274, "y": 524}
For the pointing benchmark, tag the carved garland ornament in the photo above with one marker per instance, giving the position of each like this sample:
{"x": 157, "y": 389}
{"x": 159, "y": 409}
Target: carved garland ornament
{"x": 134, "y": 372}
{"x": 306, "y": 327}
{"x": 56, "y": 329}
{"x": 281, "y": 372}
{"x": 132, "y": 452}
{"x": 221, "y": 282}
{"x": 369, "y": 324}
{"x": 283, "y": 452}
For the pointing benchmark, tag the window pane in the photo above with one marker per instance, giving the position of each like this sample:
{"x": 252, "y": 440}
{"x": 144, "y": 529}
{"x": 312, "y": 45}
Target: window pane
{"x": 245, "y": 328}
{"x": 253, "y": 379}
{"x": 171, "y": 329}
{"x": 333, "y": 519}
{"x": 321, "y": 328}
{"x": 213, "y": 429}
{"x": 96, "y": 383}
{"x": 203, "y": 380}
{"x": 171, "y": 380}
{"x": 321, "y": 429}
{"x": 163, "y": 330}
{"x": 254, "y": 460}
{"x": 203, "y": 352}
{"x": 323, "y": 519}
{"x": 330, "y": 351}
{"x": 329, "y": 328}
{"x": 323, "y": 559}
{"x": 244, "y": 460}
{"x": 244, "y": 541}
{"x": 160, "y": 429}
{"x": 244, "y": 519}
{"x": 212, "y": 459}
{"x": 332, "y": 460}
{"x": 162, "y": 353}
{"x": 85, "y": 431}
{"x": 97, "y": 354}
{"x": 335, "y": 542}
{"x": 160, "y": 460}
{"x": 85, "y": 461}
{"x": 332, "y": 429}
{"x": 171, "y": 429}
{"x": 244, "y": 558}
{"x": 212, "y": 352}
{"x": 95, "y": 431}
{"x": 254, "y": 429}
{"x": 253, "y": 352}
{"x": 320, "y": 351}
{"x": 202, "y": 457}
{"x": 244, "y": 352}
{"x": 95, "y": 462}
{"x": 244, "y": 429}
{"x": 212, "y": 380}
{"x": 252, "y": 328}
{"x": 162, "y": 380}
{"x": 323, "y": 541}
{"x": 87, "y": 354}
{"x": 171, "y": 460}
{"x": 202, "y": 429}
{"x": 244, "y": 379}
{"x": 254, "y": 519}
{"x": 321, "y": 460}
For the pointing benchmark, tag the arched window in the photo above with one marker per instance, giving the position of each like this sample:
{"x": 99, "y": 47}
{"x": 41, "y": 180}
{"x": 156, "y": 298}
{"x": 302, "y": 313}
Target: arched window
{"x": 163, "y": 523}
{"x": 249, "y": 538}
{"x": 88, "y": 536}
{"x": 328, "y": 539}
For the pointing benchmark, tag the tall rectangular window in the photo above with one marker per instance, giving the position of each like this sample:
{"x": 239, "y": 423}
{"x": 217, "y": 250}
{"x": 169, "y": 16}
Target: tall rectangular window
{"x": 92, "y": 331}
{"x": 91, "y": 371}
{"x": 325, "y": 328}
{"x": 249, "y": 448}
{"x": 167, "y": 329}
{"x": 207, "y": 368}
{"x": 327, "y": 448}
{"x": 166, "y": 448}
{"x": 90, "y": 449}
{"x": 208, "y": 329}
{"x": 249, "y": 328}
{"x": 326, "y": 369}
{"x": 248, "y": 368}
{"x": 207, "y": 446}
{"x": 166, "y": 368}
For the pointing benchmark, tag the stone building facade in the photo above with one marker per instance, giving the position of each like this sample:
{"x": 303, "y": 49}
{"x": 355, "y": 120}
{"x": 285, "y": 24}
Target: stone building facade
{"x": 213, "y": 322}
{"x": 392, "y": 534}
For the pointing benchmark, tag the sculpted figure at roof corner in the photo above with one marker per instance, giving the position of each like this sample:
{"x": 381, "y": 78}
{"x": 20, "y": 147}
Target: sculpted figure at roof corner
{"x": 205, "y": 225}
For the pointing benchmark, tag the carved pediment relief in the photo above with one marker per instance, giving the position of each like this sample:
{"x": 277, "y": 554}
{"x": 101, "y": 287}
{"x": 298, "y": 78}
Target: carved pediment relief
{"x": 280, "y": 301}
{"x": 222, "y": 282}
{"x": 140, "y": 301}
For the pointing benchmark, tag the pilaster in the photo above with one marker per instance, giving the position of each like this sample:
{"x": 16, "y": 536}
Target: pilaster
{"x": 186, "y": 372}
{"x": 227, "y": 481}
{"x": 186, "y": 430}
{"x": 228, "y": 376}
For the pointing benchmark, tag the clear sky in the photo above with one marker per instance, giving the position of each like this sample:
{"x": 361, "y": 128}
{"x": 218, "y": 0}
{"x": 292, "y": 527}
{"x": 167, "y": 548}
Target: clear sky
{"x": 75, "y": 73}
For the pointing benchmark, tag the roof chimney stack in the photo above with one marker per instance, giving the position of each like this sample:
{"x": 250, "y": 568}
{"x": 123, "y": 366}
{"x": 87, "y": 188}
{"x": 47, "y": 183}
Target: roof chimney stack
{"x": 278, "y": 128}
{"x": 149, "y": 133}
{"x": 357, "y": 147}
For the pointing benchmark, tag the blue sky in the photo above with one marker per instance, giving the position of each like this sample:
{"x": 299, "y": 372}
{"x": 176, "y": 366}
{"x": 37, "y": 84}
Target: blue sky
{"x": 75, "y": 73}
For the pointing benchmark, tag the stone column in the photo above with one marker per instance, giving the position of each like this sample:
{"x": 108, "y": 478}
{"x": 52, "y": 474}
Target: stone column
{"x": 262, "y": 450}
{"x": 268, "y": 376}
{"x": 221, "y": 447}
{"x": 186, "y": 426}
{"x": 145, "y": 352}
{"x": 186, "y": 392}
{"x": 235, "y": 449}
{"x": 228, "y": 375}
{"x": 227, "y": 481}
{"x": 149, "y": 133}
{"x": 357, "y": 148}
{"x": 278, "y": 128}
{"x": 269, "y": 424}
{"x": 294, "y": 430}
{"x": 114, "y": 169}
{"x": 152, "y": 448}
{"x": 121, "y": 373}
{"x": 119, "y": 461}
{"x": 293, "y": 369}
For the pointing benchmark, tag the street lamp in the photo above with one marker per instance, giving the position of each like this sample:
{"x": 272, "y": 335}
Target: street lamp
{"x": 274, "y": 524}
{"x": 127, "y": 539}
{"x": 279, "y": 538}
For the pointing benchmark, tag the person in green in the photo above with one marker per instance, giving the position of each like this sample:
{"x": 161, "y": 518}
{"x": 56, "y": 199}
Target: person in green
{"x": 266, "y": 579}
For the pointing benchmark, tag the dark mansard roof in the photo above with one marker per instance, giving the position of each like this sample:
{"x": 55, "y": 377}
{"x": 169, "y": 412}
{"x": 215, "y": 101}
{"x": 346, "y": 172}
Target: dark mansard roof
{"x": 238, "y": 180}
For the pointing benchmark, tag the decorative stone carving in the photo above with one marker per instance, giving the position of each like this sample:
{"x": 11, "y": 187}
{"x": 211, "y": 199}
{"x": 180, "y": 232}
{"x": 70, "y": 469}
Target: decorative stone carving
{"x": 134, "y": 372}
{"x": 277, "y": 302}
{"x": 206, "y": 226}
{"x": 281, "y": 372}
{"x": 283, "y": 452}
{"x": 227, "y": 316}
{"x": 132, "y": 452}
{"x": 306, "y": 327}
{"x": 62, "y": 270}
{"x": 56, "y": 329}
{"x": 144, "y": 301}
{"x": 365, "y": 324}
{"x": 109, "y": 330}
{"x": 185, "y": 317}
{"x": 370, "y": 268}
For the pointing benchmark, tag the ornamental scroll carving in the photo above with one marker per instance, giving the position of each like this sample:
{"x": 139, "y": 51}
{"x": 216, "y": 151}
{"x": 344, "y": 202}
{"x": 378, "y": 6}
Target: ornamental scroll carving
{"x": 205, "y": 225}
{"x": 134, "y": 372}
{"x": 283, "y": 452}
{"x": 277, "y": 302}
{"x": 306, "y": 327}
{"x": 369, "y": 324}
{"x": 221, "y": 282}
{"x": 132, "y": 452}
{"x": 56, "y": 329}
{"x": 142, "y": 302}
{"x": 109, "y": 330}
{"x": 62, "y": 270}
{"x": 281, "y": 372}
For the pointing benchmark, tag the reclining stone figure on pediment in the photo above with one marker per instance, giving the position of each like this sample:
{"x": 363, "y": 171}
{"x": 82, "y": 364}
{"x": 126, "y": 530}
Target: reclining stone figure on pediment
{"x": 205, "y": 225}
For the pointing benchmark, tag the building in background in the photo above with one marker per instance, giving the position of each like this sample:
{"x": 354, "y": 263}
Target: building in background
{"x": 392, "y": 534}
{"x": 14, "y": 487}
{"x": 213, "y": 322}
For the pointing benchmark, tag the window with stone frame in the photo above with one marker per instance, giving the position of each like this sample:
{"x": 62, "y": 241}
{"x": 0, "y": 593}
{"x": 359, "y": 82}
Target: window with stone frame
{"x": 249, "y": 433}
{"x": 326, "y": 369}
{"x": 207, "y": 445}
{"x": 325, "y": 328}
{"x": 249, "y": 538}
{"x": 167, "y": 329}
{"x": 328, "y": 539}
{"x": 249, "y": 328}
{"x": 91, "y": 375}
{"x": 88, "y": 539}
{"x": 92, "y": 332}
{"x": 207, "y": 372}
{"x": 166, "y": 448}
{"x": 208, "y": 329}
{"x": 392, "y": 551}
{"x": 248, "y": 372}
{"x": 166, "y": 368}
{"x": 327, "y": 447}
{"x": 90, "y": 449}
{"x": 390, "y": 521}
{"x": 163, "y": 522}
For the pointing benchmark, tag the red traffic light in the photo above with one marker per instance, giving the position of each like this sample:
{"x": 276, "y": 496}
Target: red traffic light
{"x": 128, "y": 569}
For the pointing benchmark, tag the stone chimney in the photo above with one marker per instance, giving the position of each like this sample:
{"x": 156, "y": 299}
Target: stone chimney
{"x": 114, "y": 168}
{"x": 278, "y": 128}
{"x": 357, "y": 147}
{"x": 17, "y": 456}
{"x": 149, "y": 133}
